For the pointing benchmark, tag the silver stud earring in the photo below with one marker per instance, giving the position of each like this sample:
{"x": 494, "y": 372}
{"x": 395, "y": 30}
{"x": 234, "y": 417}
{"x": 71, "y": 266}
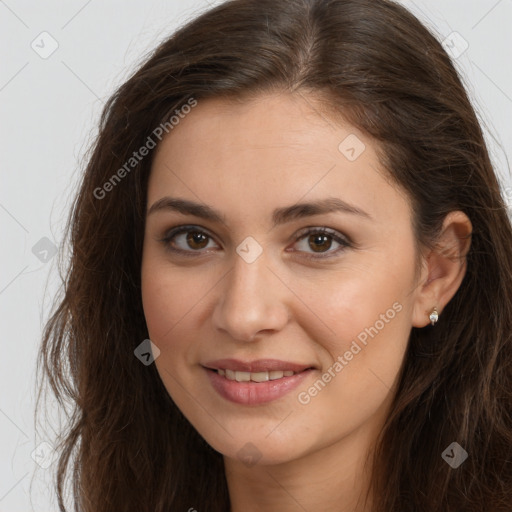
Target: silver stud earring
{"x": 434, "y": 316}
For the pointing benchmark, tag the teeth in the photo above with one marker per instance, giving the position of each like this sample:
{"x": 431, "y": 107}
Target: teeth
{"x": 242, "y": 376}
{"x": 259, "y": 376}
{"x": 254, "y": 376}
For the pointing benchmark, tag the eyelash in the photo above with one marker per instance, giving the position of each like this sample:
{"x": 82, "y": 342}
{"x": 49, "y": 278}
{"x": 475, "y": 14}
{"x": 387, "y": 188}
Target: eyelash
{"x": 342, "y": 240}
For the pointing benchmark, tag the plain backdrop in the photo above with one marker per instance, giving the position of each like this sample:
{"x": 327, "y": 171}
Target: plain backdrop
{"x": 60, "y": 61}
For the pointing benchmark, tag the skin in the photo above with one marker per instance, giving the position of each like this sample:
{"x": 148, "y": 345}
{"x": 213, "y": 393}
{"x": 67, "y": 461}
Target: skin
{"x": 245, "y": 159}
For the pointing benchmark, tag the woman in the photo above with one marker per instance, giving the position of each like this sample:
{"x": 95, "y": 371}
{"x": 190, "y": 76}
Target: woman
{"x": 221, "y": 353}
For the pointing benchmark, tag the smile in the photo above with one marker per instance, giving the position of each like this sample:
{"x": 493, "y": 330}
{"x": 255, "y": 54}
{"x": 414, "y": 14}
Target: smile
{"x": 256, "y": 382}
{"x": 254, "y": 376}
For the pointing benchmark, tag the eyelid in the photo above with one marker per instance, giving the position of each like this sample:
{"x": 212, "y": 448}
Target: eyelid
{"x": 321, "y": 229}
{"x": 339, "y": 237}
{"x": 178, "y": 230}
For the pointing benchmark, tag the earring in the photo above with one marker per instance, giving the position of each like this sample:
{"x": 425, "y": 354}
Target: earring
{"x": 434, "y": 316}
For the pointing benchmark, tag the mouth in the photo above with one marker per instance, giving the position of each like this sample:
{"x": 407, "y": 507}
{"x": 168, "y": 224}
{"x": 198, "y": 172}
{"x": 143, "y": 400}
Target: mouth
{"x": 254, "y": 376}
{"x": 256, "y": 366}
{"x": 256, "y": 382}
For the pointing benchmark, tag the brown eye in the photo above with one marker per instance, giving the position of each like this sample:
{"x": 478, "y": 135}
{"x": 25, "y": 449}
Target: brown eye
{"x": 186, "y": 240}
{"x": 196, "y": 240}
{"x": 191, "y": 241}
{"x": 320, "y": 240}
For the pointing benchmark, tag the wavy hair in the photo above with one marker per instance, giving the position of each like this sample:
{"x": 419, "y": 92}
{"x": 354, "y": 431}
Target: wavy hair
{"x": 127, "y": 446}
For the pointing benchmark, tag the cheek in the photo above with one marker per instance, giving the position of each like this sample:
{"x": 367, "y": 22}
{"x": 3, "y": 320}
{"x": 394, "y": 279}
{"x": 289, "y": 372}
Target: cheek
{"x": 166, "y": 302}
{"x": 361, "y": 359}
{"x": 173, "y": 302}
{"x": 160, "y": 306}
{"x": 168, "y": 295}
{"x": 362, "y": 323}
{"x": 356, "y": 302}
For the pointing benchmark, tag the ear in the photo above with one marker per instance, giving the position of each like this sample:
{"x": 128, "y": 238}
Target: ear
{"x": 443, "y": 268}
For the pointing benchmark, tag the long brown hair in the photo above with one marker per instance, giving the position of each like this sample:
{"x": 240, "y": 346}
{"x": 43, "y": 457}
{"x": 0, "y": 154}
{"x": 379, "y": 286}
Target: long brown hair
{"x": 374, "y": 63}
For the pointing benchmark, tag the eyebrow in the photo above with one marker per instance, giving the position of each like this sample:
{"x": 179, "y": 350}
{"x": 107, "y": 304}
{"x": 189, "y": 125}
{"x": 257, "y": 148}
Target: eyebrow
{"x": 279, "y": 216}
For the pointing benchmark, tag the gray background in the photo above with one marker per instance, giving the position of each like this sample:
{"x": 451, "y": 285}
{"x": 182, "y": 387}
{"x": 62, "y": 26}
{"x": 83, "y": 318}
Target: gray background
{"x": 49, "y": 108}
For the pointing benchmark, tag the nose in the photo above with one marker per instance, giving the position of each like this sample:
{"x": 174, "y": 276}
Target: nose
{"x": 251, "y": 300}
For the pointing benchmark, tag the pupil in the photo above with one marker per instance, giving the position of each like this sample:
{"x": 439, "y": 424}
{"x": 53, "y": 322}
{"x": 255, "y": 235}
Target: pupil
{"x": 318, "y": 239}
{"x": 195, "y": 238}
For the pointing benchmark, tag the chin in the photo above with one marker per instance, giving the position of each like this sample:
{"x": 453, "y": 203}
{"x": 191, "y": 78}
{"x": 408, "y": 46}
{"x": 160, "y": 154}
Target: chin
{"x": 255, "y": 449}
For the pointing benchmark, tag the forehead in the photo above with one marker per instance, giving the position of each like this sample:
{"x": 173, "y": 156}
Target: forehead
{"x": 270, "y": 151}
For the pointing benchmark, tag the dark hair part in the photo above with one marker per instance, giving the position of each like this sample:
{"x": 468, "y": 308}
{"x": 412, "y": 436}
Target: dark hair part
{"x": 376, "y": 65}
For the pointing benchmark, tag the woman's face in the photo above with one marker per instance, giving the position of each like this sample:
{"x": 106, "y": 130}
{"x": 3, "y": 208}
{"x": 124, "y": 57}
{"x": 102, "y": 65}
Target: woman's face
{"x": 246, "y": 292}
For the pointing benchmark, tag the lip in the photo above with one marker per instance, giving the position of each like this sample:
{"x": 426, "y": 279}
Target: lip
{"x": 255, "y": 393}
{"x": 260, "y": 365}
